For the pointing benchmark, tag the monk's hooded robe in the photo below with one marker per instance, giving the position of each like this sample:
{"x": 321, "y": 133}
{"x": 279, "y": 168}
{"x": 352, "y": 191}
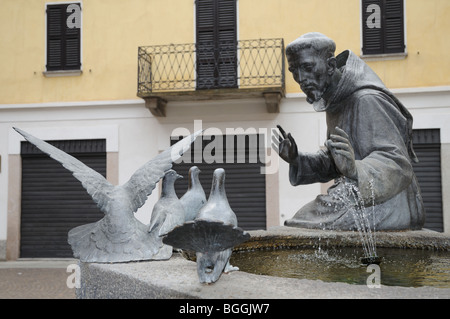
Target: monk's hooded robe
{"x": 380, "y": 131}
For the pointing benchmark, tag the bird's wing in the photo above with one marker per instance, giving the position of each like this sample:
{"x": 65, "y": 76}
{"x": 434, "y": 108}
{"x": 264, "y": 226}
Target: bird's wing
{"x": 96, "y": 185}
{"x": 169, "y": 223}
{"x": 174, "y": 217}
{"x": 157, "y": 219}
{"x": 143, "y": 181}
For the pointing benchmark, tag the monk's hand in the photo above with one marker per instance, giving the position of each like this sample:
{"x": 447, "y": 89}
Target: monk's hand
{"x": 343, "y": 153}
{"x": 287, "y": 148}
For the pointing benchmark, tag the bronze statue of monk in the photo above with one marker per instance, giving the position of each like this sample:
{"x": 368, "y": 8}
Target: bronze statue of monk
{"x": 369, "y": 142}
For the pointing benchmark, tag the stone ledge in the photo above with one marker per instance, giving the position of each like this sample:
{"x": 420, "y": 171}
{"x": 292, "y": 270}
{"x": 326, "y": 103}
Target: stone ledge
{"x": 177, "y": 278}
{"x": 157, "y": 102}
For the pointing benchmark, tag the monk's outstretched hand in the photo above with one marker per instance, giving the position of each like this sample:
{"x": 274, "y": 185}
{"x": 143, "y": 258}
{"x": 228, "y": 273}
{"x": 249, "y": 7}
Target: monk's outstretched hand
{"x": 287, "y": 148}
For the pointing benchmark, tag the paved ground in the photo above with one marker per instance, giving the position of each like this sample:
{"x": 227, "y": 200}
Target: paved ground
{"x": 35, "y": 279}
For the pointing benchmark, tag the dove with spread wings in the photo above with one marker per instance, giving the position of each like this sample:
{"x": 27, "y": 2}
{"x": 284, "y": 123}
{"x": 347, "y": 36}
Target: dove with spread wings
{"x": 119, "y": 236}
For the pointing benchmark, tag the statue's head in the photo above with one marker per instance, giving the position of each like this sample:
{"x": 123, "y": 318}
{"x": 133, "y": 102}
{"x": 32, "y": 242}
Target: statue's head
{"x": 312, "y": 63}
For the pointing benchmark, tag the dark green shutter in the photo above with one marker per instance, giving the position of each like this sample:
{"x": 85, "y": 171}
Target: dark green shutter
{"x": 53, "y": 201}
{"x": 394, "y": 38}
{"x": 372, "y": 37}
{"x": 63, "y": 43}
{"x": 54, "y": 37}
{"x": 216, "y": 44}
{"x": 390, "y": 37}
{"x": 205, "y": 41}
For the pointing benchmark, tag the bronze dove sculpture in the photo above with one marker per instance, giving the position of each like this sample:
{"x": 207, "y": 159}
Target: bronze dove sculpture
{"x": 212, "y": 234}
{"x": 167, "y": 213}
{"x": 119, "y": 236}
{"x": 194, "y": 198}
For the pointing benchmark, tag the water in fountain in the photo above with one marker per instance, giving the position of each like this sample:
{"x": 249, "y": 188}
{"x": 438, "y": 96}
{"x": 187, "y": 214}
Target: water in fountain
{"x": 351, "y": 199}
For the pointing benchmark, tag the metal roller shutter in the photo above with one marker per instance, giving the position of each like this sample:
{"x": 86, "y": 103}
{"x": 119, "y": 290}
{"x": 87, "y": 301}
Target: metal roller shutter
{"x": 428, "y": 171}
{"x": 53, "y": 201}
{"x": 244, "y": 184}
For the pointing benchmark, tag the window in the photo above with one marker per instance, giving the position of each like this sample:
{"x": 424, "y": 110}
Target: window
{"x": 216, "y": 44}
{"x": 383, "y": 27}
{"x": 63, "y": 37}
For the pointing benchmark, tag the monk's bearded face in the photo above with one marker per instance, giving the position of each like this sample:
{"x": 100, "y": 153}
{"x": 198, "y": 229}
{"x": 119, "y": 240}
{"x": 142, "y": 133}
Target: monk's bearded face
{"x": 310, "y": 69}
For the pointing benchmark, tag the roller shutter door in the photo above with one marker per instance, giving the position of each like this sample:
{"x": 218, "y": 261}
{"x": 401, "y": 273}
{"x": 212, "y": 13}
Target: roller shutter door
{"x": 428, "y": 171}
{"x": 53, "y": 201}
{"x": 244, "y": 184}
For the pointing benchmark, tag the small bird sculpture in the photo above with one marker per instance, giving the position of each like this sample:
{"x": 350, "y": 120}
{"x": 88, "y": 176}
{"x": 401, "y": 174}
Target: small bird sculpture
{"x": 212, "y": 234}
{"x": 167, "y": 213}
{"x": 194, "y": 198}
{"x": 119, "y": 236}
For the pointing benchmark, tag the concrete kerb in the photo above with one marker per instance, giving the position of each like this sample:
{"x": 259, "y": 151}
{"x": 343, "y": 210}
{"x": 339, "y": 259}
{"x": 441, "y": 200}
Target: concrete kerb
{"x": 42, "y": 263}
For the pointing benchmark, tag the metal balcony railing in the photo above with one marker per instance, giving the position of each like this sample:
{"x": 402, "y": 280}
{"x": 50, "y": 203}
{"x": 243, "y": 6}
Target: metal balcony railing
{"x": 244, "y": 64}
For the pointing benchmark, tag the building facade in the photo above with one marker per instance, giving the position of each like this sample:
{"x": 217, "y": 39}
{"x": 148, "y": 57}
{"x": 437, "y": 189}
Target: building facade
{"x": 116, "y": 82}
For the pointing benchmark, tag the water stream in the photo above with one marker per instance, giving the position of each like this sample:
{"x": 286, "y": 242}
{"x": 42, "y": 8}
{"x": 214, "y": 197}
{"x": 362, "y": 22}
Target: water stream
{"x": 352, "y": 200}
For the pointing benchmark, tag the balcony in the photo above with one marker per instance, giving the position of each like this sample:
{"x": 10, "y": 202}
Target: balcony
{"x": 205, "y": 71}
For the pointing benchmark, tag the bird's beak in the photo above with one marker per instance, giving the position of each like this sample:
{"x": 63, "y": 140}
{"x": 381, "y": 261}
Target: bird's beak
{"x": 179, "y": 176}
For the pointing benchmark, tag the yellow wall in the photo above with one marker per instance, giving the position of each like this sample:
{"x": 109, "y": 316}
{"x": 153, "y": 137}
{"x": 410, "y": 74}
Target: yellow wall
{"x": 427, "y": 29}
{"x": 112, "y": 30}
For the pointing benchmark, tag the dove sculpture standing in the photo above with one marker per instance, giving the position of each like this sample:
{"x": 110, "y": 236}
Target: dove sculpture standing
{"x": 212, "y": 235}
{"x": 167, "y": 213}
{"x": 194, "y": 198}
{"x": 119, "y": 236}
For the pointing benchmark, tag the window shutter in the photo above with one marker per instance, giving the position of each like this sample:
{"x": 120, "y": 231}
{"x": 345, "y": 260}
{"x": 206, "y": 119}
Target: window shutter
{"x": 372, "y": 36}
{"x": 206, "y": 37}
{"x": 54, "y": 37}
{"x": 226, "y": 23}
{"x": 216, "y": 43}
{"x": 394, "y": 40}
{"x": 388, "y": 35}
{"x": 63, "y": 43}
{"x": 227, "y": 63}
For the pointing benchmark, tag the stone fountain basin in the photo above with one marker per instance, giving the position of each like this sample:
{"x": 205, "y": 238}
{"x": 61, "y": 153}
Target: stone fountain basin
{"x": 177, "y": 277}
{"x": 291, "y": 237}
